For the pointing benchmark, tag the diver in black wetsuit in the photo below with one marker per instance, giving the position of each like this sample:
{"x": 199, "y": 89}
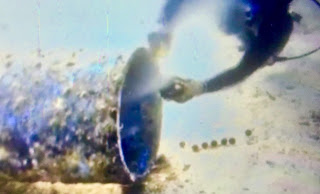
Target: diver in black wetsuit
{"x": 264, "y": 34}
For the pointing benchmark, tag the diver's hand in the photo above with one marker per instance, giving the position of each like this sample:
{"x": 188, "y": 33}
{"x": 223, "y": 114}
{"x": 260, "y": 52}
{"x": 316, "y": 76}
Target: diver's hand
{"x": 181, "y": 90}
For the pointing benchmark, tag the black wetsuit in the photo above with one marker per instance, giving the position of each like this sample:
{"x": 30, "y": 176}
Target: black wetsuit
{"x": 273, "y": 33}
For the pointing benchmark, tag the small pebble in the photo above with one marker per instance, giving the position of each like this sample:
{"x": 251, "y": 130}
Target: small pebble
{"x": 214, "y": 143}
{"x": 224, "y": 141}
{"x": 248, "y": 132}
{"x": 195, "y": 148}
{"x": 205, "y": 145}
{"x": 182, "y": 144}
{"x": 232, "y": 141}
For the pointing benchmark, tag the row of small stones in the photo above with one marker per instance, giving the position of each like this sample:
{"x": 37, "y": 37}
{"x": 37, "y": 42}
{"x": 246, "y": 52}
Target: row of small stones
{"x": 214, "y": 143}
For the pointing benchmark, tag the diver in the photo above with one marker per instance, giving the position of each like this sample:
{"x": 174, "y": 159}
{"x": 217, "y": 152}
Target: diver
{"x": 264, "y": 34}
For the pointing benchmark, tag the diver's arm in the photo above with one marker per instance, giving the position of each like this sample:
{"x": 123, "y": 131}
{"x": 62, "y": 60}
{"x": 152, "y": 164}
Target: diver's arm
{"x": 271, "y": 39}
{"x": 181, "y": 90}
{"x": 250, "y": 62}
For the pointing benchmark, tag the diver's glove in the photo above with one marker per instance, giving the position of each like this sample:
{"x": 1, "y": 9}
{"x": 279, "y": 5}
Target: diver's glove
{"x": 181, "y": 90}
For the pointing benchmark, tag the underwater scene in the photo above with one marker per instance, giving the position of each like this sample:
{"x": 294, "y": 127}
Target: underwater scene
{"x": 162, "y": 96}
